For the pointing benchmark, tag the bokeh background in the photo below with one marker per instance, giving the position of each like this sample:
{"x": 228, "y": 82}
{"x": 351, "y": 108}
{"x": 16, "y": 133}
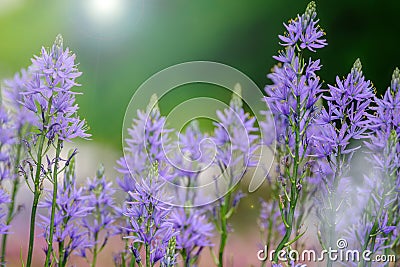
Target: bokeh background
{"x": 121, "y": 43}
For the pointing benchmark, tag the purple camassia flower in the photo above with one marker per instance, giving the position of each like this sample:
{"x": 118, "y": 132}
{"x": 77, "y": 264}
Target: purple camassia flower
{"x": 304, "y": 31}
{"x": 71, "y": 209}
{"x": 48, "y": 93}
{"x": 381, "y": 213}
{"x": 189, "y": 156}
{"x": 287, "y": 84}
{"x": 12, "y": 92}
{"x": 235, "y": 139}
{"x": 149, "y": 218}
{"x": 291, "y": 99}
{"x": 236, "y": 142}
{"x": 270, "y": 222}
{"x": 4, "y": 200}
{"x": 346, "y": 116}
{"x": 147, "y": 143}
{"x": 343, "y": 121}
{"x": 293, "y": 82}
{"x": 189, "y": 159}
{"x": 99, "y": 224}
{"x": 384, "y": 123}
{"x": 7, "y": 139}
{"x": 194, "y": 232}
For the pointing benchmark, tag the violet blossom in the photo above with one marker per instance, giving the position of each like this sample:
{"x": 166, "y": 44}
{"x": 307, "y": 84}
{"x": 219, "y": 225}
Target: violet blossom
{"x": 337, "y": 126}
{"x": 292, "y": 101}
{"x": 49, "y": 93}
{"x": 236, "y": 143}
{"x": 194, "y": 230}
{"x": 7, "y": 139}
{"x": 50, "y": 97}
{"x": 150, "y": 226}
{"x": 148, "y": 140}
{"x": 13, "y": 96}
{"x": 99, "y": 224}
{"x": 4, "y": 200}
{"x": 71, "y": 210}
{"x": 147, "y": 143}
{"x": 194, "y": 233}
{"x": 381, "y": 213}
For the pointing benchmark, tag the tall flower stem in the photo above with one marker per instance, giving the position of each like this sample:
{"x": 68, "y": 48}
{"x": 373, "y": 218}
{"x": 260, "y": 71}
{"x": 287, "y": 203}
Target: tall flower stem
{"x": 36, "y": 195}
{"x": 224, "y": 229}
{"x": 11, "y": 207}
{"x": 54, "y": 202}
{"x": 295, "y": 186}
{"x": 370, "y": 237}
{"x": 95, "y": 250}
{"x": 147, "y": 245}
{"x": 333, "y": 207}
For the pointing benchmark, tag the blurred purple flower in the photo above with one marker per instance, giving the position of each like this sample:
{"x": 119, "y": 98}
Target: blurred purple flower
{"x": 4, "y": 200}
{"x": 99, "y": 224}
{"x": 235, "y": 138}
{"x": 7, "y": 139}
{"x": 12, "y": 92}
{"x": 148, "y": 142}
{"x": 194, "y": 232}
{"x": 270, "y": 221}
{"x": 381, "y": 212}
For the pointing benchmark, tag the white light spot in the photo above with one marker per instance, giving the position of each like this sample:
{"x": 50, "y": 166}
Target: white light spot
{"x": 105, "y": 9}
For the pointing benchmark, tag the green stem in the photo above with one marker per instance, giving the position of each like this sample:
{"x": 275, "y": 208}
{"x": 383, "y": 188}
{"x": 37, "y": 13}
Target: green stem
{"x": 332, "y": 218}
{"x": 294, "y": 191}
{"x": 61, "y": 253}
{"x": 11, "y": 207}
{"x": 53, "y": 203}
{"x": 35, "y": 202}
{"x": 147, "y": 246}
{"x": 95, "y": 250}
{"x": 184, "y": 258}
{"x": 224, "y": 230}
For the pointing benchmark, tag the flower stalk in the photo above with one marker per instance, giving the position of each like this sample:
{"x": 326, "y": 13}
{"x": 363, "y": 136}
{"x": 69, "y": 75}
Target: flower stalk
{"x": 54, "y": 202}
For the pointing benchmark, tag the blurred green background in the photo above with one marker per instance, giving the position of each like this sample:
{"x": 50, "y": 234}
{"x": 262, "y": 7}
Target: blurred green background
{"x": 121, "y": 43}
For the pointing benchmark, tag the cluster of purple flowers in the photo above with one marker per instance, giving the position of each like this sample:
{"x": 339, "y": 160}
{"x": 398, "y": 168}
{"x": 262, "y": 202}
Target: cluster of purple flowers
{"x": 151, "y": 227}
{"x": 292, "y": 99}
{"x": 377, "y": 227}
{"x": 194, "y": 232}
{"x": 4, "y": 199}
{"x": 6, "y": 139}
{"x": 236, "y": 141}
{"x": 71, "y": 209}
{"x": 344, "y": 120}
{"x": 100, "y": 223}
{"x": 316, "y": 143}
{"x": 49, "y": 96}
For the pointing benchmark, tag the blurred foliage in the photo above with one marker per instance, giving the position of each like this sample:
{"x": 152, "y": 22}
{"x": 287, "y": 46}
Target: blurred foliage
{"x": 117, "y": 54}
